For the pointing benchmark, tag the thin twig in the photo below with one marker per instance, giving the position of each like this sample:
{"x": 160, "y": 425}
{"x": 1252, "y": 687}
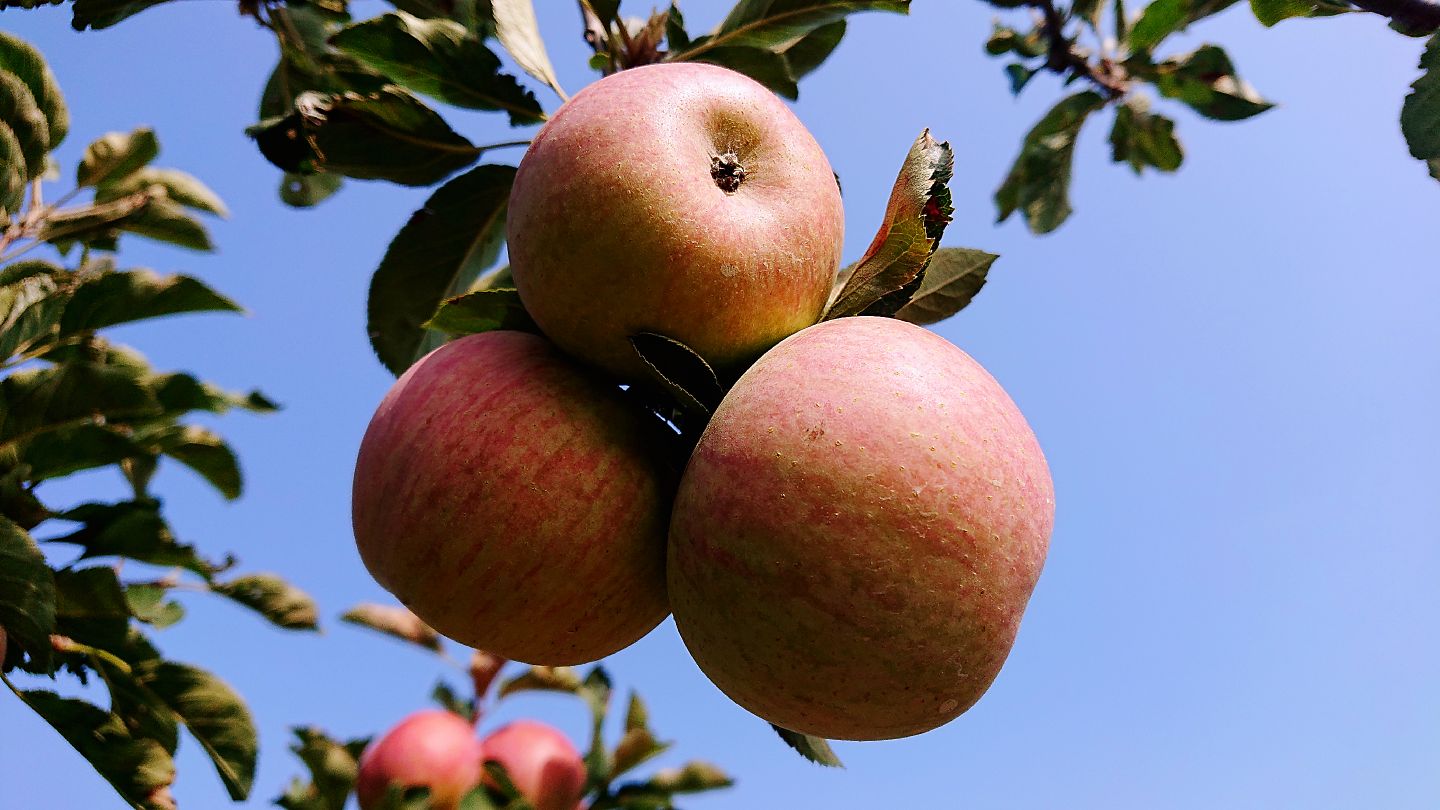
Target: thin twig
{"x": 1066, "y": 58}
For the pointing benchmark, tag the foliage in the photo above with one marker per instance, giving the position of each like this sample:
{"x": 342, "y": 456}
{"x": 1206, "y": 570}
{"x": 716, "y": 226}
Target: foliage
{"x": 1117, "y": 60}
{"x": 72, "y": 401}
{"x": 333, "y": 765}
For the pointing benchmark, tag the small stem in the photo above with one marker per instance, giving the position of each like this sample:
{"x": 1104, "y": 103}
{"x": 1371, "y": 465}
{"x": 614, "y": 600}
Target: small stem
{"x": 1064, "y": 58}
{"x": 502, "y": 145}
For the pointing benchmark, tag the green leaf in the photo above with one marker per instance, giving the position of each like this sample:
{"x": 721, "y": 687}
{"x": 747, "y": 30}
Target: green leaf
{"x": 481, "y": 311}
{"x": 31, "y": 307}
{"x": 333, "y": 769}
{"x": 216, "y": 717}
{"x": 59, "y": 453}
{"x": 137, "y": 768}
{"x": 164, "y": 221}
{"x": 542, "y": 679}
{"x": 681, "y": 372}
{"x": 1205, "y": 80}
{"x": 1039, "y": 182}
{"x": 815, "y": 749}
{"x": 181, "y": 393}
{"x": 21, "y": 113}
{"x": 450, "y": 701}
{"x": 814, "y": 48}
{"x": 1004, "y": 39}
{"x": 279, "y": 602}
{"x": 136, "y": 295}
{"x": 25, "y": 62}
{"x": 637, "y": 745}
{"x": 1162, "y": 18}
{"x": 1270, "y": 12}
{"x": 98, "y": 14}
{"x": 306, "y": 190}
{"x": 203, "y": 452}
{"x": 517, "y": 30}
{"x": 915, "y": 218}
{"x": 12, "y": 173}
{"x": 148, "y": 604}
{"x": 27, "y": 592}
{"x": 172, "y": 184}
{"x": 44, "y": 399}
{"x": 952, "y": 279}
{"x": 90, "y": 607}
{"x": 385, "y": 135}
{"x": 1142, "y": 138}
{"x": 676, "y": 38}
{"x": 117, "y": 155}
{"x": 444, "y": 247}
{"x": 133, "y": 530}
{"x": 1420, "y": 116}
{"x": 440, "y": 59}
{"x": 695, "y": 777}
{"x": 1020, "y": 75}
{"x": 1089, "y": 11}
{"x": 776, "y": 24}
{"x": 396, "y": 622}
{"x": 97, "y": 222}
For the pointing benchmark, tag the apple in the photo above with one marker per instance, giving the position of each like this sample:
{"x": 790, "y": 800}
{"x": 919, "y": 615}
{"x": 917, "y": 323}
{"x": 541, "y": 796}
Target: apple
{"x": 432, "y": 749}
{"x": 541, "y": 762}
{"x": 508, "y": 497}
{"x": 684, "y": 199}
{"x": 858, "y": 532}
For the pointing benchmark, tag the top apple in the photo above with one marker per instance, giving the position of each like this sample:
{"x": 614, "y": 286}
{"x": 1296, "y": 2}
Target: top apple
{"x": 683, "y": 199}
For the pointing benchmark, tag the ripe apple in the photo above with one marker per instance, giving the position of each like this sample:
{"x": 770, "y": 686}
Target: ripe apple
{"x": 541, "y": 761}
{"x": 683, "y": 199}
{"x": 507, "y": 496}
{"x": 432, "y": 749}
{"x": 858, "y": 532}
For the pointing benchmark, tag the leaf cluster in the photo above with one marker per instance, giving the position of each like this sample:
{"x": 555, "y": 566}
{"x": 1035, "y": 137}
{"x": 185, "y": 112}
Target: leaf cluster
{"x": 73, "y": 401}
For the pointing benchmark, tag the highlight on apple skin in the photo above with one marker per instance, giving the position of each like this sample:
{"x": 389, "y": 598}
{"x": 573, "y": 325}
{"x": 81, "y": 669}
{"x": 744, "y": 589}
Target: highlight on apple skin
{"x": 858, "y": 532}
{"x": 684, "y": 199}
{"x": 541, "y": 762}
{"x": 508, "y": 497}
{"x": 432, "y": 749}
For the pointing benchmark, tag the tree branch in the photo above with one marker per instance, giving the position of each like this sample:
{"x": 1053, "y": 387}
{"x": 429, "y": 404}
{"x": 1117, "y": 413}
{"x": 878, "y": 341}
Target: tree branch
{"x": 1065, "y": 57}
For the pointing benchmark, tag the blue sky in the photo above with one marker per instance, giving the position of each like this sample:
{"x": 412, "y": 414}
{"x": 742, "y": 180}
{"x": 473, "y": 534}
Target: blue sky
{"x": 1232, "y": 370}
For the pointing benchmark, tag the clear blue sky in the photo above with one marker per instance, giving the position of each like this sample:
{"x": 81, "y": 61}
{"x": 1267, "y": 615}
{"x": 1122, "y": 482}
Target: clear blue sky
{"x": 1233, "y": 371}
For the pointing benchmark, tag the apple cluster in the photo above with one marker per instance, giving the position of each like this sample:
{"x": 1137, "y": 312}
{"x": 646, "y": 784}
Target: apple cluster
{"x": 849, "y": 547}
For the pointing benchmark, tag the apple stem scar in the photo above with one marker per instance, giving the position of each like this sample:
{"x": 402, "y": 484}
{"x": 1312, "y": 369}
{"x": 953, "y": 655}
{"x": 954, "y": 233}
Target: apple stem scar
{"x": 727, "y": 171}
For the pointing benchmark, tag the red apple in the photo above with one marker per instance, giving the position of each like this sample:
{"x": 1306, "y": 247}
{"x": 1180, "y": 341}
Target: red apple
{"x": 684, "y": 199}
{"x": 858, "y": 532}
{"x": 508, "y": 497}
{"x": 541, "y": 761}
{"x": 432, "y": 749}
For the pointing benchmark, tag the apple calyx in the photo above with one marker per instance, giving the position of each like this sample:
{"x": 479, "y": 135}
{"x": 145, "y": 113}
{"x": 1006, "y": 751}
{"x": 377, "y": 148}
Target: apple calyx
{"x": 727, "y": 172}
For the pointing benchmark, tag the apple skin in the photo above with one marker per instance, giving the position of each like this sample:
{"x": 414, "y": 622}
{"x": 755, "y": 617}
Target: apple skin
{"x": 541, "y": 761}
{"x": 858, "y": 532}
{"x": 433, "y": 749}
{"x": 507, "y": 496}
{"x": 617, "y": 226}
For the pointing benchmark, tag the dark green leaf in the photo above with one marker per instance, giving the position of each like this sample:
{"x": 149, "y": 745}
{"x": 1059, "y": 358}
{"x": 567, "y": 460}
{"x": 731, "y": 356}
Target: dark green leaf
{"x": 764, "y": 66}
{"x": 148, "y": 604}
{"x": 396, "y": 622}
{"x": 444, "y": 247}
{"x": 1005, "y": 39}
{"x": 815, "y": 749}
{"x": 1089, "y": 11}
{"x": 1142, "y": 138}
{"x": 164, "y": 221}
{"x": 135, "y": 295}
{"x": 138, "y": 769}
{"x": 1039, "y": 182}
{"x": 25, "y": 62}
{"x": 1162, "y": 18}
{"x": 680, "y": 371}
{"x": 776, "y": 24}
{"x": 90, "y": 607}
{"x": 385, "y": 135}
{"x": 517, "y": 30}
{"x": 12, "y": 174}
{"x": 449, "y": 700}
{"x": 951, "y": 280}
{"x": 98, "y": 14}
{"x": 97, "y": 223}
{"x": 1420, "y": 117}
{"x": 1020, "y": 76}
{"x": 117, "y": 155}
{"x": 22, "y": 114}
{"x": 697, "y": 777}
{"x": 676, "y": 38}
{"x": 636, "y": 747}
{"x": 134, "y": 530}
{"x": 27, "y": 592}
{"x": 915, "y": 218}
{"x": 171, "y": 184}
{"x": 1205, "y": 80}
{"x": 1270, "y": 12}
{"x": 440, "y": 59}
{"x": 215, "y": 716}
{"x": 30, "y": 307}
{"x": 481, "y": 311}
{"x": 333, "y": 768}
{"x": 542, "y": 679}
{"x": 58, "y": 453}
{"x": 279, "y": 602}
{"x": 181, "y": 393}
{"x": 202, "y": 451}
{"x": 305, "y": 190}
{"x": 40, "y": 400}
{"x": 808, "y": 53}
